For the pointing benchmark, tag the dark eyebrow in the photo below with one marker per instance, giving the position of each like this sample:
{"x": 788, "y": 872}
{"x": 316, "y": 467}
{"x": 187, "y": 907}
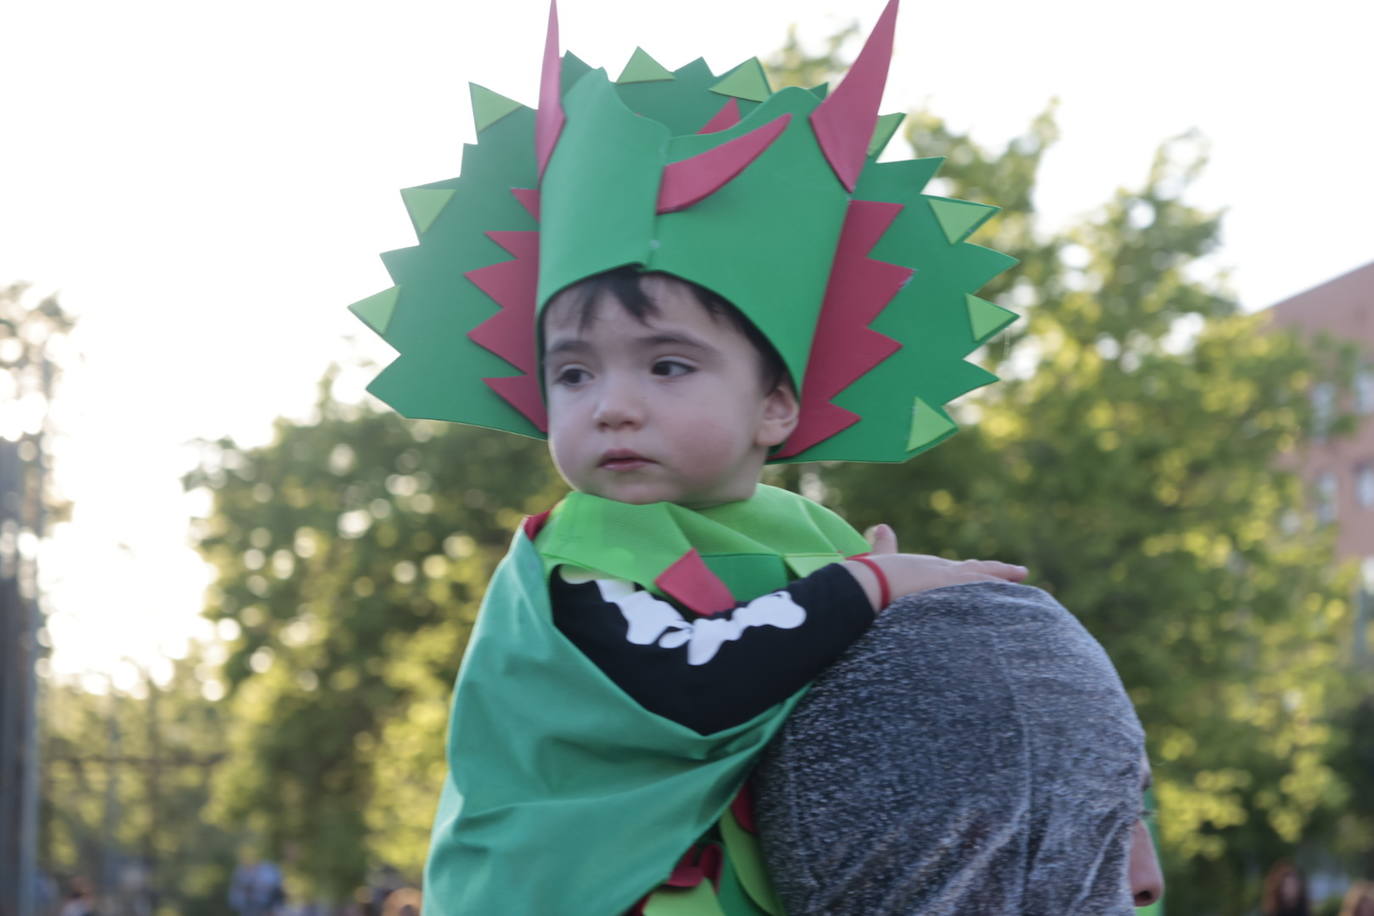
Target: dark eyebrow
{"x": 647, "y": 342}
{"x": 567, "y": 345}
{"x": 672, "y": 338}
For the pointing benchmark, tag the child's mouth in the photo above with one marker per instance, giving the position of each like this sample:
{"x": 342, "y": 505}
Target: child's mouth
{"x": 621, "y": 460}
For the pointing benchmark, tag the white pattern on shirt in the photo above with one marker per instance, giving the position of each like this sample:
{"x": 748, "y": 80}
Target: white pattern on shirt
{"x": 654, "y": 621}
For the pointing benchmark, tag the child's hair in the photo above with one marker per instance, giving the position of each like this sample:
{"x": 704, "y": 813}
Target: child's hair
{"x": 623, "y": 285}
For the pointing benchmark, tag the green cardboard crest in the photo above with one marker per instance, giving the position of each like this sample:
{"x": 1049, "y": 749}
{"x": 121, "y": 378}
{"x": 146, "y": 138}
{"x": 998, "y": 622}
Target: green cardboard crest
{"x": 772, "y": 200}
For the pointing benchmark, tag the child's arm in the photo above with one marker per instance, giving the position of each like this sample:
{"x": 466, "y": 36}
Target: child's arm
{"x": 710, "y": 673}
{"x": 908, "y": 573}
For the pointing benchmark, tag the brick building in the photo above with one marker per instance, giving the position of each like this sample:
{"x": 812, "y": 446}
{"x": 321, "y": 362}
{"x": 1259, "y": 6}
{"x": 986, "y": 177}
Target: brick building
{"x": 1341, "y": 470}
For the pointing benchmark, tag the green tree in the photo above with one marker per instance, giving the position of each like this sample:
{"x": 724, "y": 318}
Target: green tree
{"x": 31, "y": 343}
{"x": 126, "y": 779}
{"x": 351, "y": 554}
{"x": 1133, "y": 459}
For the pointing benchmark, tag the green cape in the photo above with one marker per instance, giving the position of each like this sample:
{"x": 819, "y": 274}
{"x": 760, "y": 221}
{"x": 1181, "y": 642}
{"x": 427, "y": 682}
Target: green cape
{"x": 564, "y": 795}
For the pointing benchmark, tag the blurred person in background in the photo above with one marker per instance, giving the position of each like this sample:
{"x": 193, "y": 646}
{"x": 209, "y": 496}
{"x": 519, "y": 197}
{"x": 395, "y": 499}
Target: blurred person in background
{"x": 80, "y": 901}
{"x": 256, "y": 888}
{"x": 1285, "y": 891}
{"x": 1359, "y": 900}
{"x": 405, "y": 901}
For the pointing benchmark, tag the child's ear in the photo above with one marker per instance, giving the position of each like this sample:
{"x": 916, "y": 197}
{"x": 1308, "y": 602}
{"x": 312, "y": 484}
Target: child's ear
{"x": 781, "y": 412}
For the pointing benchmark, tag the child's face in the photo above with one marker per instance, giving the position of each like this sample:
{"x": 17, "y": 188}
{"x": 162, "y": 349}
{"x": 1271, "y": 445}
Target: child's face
{"x": 671, "y": 409}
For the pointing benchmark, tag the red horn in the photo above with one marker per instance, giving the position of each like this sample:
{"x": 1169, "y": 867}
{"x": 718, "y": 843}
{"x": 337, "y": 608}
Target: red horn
{"x": 548, "y": 121}
{"x": 690, "y": 180}
{"x": 844, "y": 122}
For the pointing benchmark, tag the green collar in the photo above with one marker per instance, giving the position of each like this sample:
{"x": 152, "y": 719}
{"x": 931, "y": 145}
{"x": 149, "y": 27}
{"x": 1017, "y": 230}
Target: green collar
{"x": 705, "y": 559}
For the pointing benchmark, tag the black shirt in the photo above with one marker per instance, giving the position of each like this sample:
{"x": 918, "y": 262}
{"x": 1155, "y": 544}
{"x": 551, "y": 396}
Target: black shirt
{"x": 711, "y": 673}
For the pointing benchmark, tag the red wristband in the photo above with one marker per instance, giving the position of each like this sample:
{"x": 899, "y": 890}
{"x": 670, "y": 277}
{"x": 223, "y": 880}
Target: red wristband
{"x": 884, "y": 590}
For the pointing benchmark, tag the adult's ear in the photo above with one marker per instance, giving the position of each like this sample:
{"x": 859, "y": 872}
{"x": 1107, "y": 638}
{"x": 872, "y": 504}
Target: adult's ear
{"x": 781, "y": 412}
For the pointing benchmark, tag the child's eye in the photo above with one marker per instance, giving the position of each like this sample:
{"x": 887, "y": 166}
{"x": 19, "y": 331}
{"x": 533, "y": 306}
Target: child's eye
{"x": 671, "y": 367}
{"x": 571, "y": 375}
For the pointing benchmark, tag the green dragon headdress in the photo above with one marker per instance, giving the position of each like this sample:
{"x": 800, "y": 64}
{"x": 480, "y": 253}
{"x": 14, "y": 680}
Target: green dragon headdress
{"x": 773, "y": 200}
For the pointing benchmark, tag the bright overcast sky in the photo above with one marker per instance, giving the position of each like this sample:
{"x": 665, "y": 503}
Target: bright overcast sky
{"x": 207, "y": 185}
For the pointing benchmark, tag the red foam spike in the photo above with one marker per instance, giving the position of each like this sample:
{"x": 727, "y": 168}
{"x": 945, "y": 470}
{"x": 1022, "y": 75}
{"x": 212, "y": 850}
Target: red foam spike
{"x": 509, "y": 332}
{"x": 743, "y": 806}
{"x": 694, "y": 179}
{"x": 690, "y": 582}
{"x": 728, "y": 116}
{"x": 529, "y": 199}
{"x": 845, "y": 347}
{"x": 533, "y": 524}
{"x": 523, "y": 243}
{"x": 548, "y": 120}
{"x": 844, "y": 122}
{"x": 524, "y": 393}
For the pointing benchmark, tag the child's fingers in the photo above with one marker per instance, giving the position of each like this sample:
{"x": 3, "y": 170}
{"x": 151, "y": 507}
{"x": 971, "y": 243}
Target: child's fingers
{"x": 882, "y": 539}
{"x": 1009, "y": 572}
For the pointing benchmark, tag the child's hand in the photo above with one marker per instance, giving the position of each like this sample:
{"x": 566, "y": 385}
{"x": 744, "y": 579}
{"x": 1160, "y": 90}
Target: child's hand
{"x": 908, "y": 573}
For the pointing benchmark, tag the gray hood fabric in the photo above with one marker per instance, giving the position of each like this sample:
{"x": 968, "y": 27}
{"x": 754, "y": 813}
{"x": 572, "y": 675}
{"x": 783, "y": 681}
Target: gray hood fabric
{"x": 974, "y": 753}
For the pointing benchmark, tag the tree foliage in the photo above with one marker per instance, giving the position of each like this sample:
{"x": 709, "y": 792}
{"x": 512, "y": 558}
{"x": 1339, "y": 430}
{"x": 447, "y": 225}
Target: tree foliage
{"x": 126, "y": 779}
{"x": 31, "y": 341}
{"x": 33, "y": 346}
{"x": 352, "y": 554}
{"x": 1139, "y": 479}
{"x": 1133, "y": 459}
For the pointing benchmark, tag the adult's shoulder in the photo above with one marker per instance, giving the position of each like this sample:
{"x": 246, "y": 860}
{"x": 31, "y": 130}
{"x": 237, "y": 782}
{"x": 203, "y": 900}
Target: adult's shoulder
{"x": 976, "y": 604}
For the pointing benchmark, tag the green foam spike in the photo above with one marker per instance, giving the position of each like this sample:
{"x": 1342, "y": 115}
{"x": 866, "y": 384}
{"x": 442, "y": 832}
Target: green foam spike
{"x": 489, "y": 107}
{"x": 425, "y": 204}
{"x": 882, "y": 131}
{"x": 821, "y": 91}
{"x": 746, "y": 81}
{"x": 928, "y": 425}
{"x": 375, "y": 311}
{"x": 986, "y": 318}
{"x": 641, "y": 68}
{"x": 958, "y": 218}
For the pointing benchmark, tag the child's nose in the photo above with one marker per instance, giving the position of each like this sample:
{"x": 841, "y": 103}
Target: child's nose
{"x": 618, "y": 407}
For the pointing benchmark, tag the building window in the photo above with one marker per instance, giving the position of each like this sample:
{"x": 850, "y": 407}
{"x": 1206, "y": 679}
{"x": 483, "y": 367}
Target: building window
{"x": 1323, "y": 408}
{"x": 1326, "y": 497}
{"x": 1364, "y": 485}
{"x": 1364, "y": 391}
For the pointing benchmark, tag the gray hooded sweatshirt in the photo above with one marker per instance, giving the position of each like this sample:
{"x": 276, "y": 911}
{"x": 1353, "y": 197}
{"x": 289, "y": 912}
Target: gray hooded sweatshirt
{"x": 974, "y": 753}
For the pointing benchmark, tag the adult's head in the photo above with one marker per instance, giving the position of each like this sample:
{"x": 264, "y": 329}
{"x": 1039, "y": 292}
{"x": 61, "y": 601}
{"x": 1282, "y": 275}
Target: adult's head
{"x": 974, "y": 753}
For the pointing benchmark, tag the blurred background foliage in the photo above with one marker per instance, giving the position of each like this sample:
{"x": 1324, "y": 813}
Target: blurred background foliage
{"x": 126, "y": 783}
{"x": 1131, "y": 457}
{"x": 351, "y": 557}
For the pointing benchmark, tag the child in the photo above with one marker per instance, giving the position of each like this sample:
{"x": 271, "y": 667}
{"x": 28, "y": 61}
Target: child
{"x": 694, "y": 274}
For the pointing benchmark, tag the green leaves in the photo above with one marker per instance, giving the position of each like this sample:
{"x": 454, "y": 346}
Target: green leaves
{"x": 1132, "y": 457}
{"x": 352, "y": 554}
{"x": 1133, "y": 460}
